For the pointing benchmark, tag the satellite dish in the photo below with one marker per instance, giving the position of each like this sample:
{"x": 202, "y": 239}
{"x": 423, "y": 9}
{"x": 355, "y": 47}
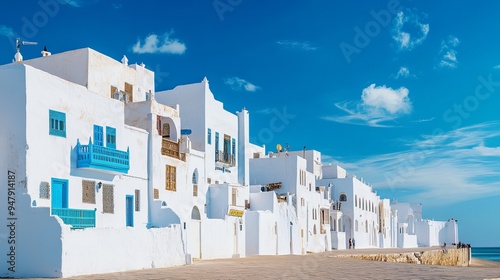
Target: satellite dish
{"x": 278, "y": 147}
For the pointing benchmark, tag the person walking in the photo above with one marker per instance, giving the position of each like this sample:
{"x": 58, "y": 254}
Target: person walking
{"x": 353, "y": 244}
{"x": 350, "y": 243}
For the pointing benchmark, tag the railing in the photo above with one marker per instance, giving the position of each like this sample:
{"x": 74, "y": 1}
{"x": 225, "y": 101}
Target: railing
{"x": 170, "y": 148}
{"x": 225, "y": 158}
{"x": 99, "y": 157}
{"x": 76, "y": 218}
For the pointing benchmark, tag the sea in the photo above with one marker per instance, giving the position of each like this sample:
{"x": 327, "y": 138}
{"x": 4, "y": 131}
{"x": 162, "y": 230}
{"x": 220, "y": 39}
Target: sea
{"x": 486, "y": 253}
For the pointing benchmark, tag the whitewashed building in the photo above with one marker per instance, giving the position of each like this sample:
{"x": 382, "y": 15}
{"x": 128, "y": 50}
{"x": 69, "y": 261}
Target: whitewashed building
{"x": 289, "y": 180}
{"x": 220, "y": 139}
{"x": 77, "y": 172}
{"x": 105, "y": 174}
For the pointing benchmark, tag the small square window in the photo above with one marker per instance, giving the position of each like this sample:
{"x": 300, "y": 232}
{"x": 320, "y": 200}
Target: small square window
{"x": 110, "y": 137}
{"x": 57, "y": 123}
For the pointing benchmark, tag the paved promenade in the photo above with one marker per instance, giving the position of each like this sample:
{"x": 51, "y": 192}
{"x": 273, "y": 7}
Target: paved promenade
{"x": 312, "y": 266}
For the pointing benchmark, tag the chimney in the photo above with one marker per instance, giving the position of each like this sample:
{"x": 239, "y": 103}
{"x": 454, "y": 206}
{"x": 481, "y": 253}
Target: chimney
{"x": 45, "y": 52}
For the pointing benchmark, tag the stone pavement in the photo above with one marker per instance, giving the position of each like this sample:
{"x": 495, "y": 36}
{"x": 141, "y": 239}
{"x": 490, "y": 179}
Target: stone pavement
{"x": 320, "y": 266}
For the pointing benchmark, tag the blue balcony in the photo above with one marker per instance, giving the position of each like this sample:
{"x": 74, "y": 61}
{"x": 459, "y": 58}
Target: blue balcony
{"x": 102, "y": 158}
{"x": 76, "y": 218}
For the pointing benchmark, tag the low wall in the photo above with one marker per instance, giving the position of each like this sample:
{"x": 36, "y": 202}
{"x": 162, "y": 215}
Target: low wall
{"x": 451, "y": 257}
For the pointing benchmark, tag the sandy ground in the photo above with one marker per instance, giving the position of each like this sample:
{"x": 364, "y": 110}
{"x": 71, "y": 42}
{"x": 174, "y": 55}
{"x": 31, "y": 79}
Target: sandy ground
{"x": 327, "y": 265}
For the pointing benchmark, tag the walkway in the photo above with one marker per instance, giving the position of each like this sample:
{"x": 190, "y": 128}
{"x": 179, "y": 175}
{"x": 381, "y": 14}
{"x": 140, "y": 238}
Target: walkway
{"x": 319, "y": 266}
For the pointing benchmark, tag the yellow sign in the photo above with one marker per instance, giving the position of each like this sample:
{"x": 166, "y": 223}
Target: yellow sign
{"x": 236, "y": 213}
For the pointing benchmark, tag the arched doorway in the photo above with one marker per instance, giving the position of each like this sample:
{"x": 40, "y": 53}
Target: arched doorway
{"x": 194, "y": 243}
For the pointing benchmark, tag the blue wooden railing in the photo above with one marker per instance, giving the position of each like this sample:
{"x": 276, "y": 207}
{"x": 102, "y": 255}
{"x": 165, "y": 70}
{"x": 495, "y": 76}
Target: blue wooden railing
{"x": 76, "y": 218}
{"x": 104, "y": 158}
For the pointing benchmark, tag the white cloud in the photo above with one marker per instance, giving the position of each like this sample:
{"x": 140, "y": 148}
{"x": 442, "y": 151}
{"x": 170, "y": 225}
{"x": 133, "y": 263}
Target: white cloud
{"x": 378, "y": 105}
{"x": 496, "y": 67}
{"x": 448, "y": 54}
{"x": 403, "y": 72}
{"x": 159, "y": 44}
{"x": 79, "y": 3}
{"x": 405, "y": 21}
{"x": 297, "y": 45}
{"x": 7, "y": 31}
{"x": 239, "y": 84}
{"x": 454, "y": 165}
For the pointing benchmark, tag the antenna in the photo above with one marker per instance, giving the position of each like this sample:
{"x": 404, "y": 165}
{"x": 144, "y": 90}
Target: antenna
{"x": 24, "y": 43}
{"x": 18, "y": 57}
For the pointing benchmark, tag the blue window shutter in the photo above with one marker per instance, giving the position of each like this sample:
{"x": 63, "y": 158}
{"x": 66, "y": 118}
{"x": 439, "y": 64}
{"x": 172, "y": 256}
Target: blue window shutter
{"x": 209, "y": 136}
{"x": 110, "y": 137}
{"x": 57, "y": 123}
{"x": 234, "y": 146}
{"x": 98, "y": 135}
{"x": 216, "y": 140}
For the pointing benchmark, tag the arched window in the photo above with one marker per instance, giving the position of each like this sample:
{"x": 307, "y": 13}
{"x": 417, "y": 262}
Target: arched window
{"x": 195, "y": 176}
{"x": 366, "y": 226}
{"x": 343, "y": 197}
{"x": 356, "y": 200}
{"x": 195, "y": 214}
{"x": 314, "y": 229}
{"x": 359, "y": 202}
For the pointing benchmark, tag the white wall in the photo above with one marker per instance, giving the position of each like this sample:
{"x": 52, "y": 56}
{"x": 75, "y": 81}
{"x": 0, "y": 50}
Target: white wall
{"x": 105, "y": 250}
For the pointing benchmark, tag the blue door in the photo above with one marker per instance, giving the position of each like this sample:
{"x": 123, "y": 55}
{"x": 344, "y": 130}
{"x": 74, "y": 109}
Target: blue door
{"x": 59, "y": 193}
{"x": 98, "y": 137}
{"x": 130, "y": 210}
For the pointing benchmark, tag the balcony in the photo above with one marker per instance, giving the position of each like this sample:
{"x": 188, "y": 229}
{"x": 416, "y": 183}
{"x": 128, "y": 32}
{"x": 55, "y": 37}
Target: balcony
{"x": 225, "y": 158}
{"x": 76, "y": 218}
{"x": 102, "y": 158}
{"x": 171, "y": 149}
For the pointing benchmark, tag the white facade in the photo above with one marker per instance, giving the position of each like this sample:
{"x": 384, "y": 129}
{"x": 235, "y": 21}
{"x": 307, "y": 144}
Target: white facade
{"x": 70, "y": 153}
{"x": 98, "y": 167}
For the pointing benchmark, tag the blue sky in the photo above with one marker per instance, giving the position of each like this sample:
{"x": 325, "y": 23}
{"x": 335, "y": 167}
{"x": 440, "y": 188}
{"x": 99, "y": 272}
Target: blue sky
{"x": 404, "y": 94}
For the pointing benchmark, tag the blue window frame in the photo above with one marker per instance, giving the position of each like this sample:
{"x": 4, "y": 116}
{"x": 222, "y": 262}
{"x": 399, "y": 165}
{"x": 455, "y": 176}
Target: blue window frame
{"x": 110, "y": 137}
{"x": 209, "y": 136}
{"x": 98, "y": 138}
{"x": 217, "y": 141}
{"x": 57, "y": 123}
{"x": 234, "y": 146}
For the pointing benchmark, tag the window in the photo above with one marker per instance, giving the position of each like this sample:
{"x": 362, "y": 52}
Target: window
{"x": 57, "y": 123}
{"x": 170, "y": 178}
{"x": 88, "y": 191}
{"x": 158, "y": 124}
{"x": 234, "y": 195}
{"x": 209, "y": 136}
{"x": 137, "y": 200}
{"x": 108, "y": 200}
{"x": 195, "y": 182}
{"x": 110, "y": 137}
{"x": 234, "y": 146}
{"x": 356, "y": 225}
{"x": 156, "y": 193}
{"x": 356, "y": 200}
{"x": 343, "y": 197}
{"x": 217, "y": 142}
{"x": 209, "y": 180}
{"x": 98, "y": 135}
{"x": 129, "y": 93}
{"x": 113, "y": 91}
{"x": 166, "y": 130}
